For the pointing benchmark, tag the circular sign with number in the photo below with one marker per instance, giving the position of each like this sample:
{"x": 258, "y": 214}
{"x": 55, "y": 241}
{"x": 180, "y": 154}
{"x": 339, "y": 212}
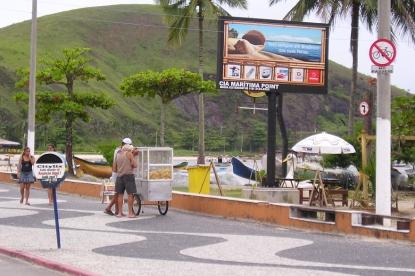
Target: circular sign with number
{"x": 364, "y": 108}
{"x": 382, "y": 52}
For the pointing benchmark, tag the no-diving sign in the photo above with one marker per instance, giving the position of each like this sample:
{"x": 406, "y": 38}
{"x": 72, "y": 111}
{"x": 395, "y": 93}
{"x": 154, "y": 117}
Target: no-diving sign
{"x": 382, "y": 52}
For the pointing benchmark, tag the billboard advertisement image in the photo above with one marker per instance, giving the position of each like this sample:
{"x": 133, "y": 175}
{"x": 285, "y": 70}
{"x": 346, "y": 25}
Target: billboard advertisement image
{"x": 263, "y": 55}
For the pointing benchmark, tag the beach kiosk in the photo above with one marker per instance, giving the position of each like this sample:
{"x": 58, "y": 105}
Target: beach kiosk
{"x": 154, "y": 178}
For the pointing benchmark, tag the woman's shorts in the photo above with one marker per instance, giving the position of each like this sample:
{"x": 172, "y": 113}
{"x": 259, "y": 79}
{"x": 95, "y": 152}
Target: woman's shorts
{"x": 26, "y": 177}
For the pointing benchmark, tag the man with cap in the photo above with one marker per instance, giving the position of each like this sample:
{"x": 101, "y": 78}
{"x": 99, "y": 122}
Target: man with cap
{"x": 122, "y": 169}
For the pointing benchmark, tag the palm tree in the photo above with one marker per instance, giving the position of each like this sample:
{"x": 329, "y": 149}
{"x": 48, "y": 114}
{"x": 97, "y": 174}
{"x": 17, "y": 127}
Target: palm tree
{"x": 403, "y": 14}
{"x": 179, "y": 15}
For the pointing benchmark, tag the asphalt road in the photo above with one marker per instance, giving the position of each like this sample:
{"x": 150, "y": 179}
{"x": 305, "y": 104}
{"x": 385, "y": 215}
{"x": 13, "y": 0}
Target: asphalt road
{"x": 182, "y": 243}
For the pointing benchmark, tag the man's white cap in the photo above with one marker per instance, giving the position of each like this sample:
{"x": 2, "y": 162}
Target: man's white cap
{"x": 127, "y": 141}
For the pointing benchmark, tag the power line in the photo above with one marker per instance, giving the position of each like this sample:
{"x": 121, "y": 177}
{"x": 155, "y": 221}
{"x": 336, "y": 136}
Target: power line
{"x": 164, "y": 14}
{"x": 208, "y": 18}
{"x": 159, "y": 26}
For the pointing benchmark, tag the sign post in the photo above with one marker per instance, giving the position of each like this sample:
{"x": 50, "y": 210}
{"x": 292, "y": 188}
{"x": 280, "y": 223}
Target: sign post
{"x": 55, "y": 211}
{"x": 50, "y": 169}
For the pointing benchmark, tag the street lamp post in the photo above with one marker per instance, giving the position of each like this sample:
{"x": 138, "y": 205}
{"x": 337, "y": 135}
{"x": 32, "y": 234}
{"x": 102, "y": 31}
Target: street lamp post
{"x": 32, "y": 81}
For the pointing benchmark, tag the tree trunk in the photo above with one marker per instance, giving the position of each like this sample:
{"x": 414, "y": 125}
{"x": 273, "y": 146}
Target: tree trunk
{"x": 201, "y": 148}
{"x": 354, "y": 44}
{"x": 162, "y": 120}
{"x": 68, "y": 152}
{"x": 283, "y": 132}
{"x": 69, "y": 136}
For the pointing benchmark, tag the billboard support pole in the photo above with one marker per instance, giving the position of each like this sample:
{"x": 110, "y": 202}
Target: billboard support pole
{"x": 283, "y": 132}
{"x": 272, "y": 125}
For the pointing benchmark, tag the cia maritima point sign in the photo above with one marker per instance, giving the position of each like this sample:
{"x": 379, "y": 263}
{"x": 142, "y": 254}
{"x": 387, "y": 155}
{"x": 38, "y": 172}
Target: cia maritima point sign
{"x": 263, "y": 55}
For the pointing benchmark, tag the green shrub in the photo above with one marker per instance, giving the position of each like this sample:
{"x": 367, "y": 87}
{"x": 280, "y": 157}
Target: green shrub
{"x": 107, "y": 150}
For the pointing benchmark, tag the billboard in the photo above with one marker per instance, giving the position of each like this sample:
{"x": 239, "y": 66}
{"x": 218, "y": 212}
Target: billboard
{"x": 264, "y": 55}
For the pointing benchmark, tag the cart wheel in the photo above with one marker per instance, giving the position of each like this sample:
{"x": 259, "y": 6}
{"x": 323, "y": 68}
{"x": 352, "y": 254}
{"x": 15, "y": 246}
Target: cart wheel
{"x": 137, "y": 205}
{"x": 163, "y": 207}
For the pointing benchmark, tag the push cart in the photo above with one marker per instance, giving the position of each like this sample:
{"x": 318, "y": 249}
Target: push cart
{"x": 154, "y": 178}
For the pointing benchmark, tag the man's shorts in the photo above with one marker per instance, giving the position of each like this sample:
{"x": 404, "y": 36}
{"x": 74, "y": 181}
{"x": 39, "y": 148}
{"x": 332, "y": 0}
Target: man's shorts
{"x": 125, "y": 182}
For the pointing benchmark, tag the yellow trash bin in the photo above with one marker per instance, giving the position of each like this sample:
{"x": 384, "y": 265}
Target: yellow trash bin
{"x": 199, "y": 179}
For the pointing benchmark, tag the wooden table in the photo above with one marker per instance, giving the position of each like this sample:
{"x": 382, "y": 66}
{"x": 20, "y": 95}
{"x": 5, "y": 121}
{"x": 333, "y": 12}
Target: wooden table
{"x": 287, "y": 182}
{"x": 319, "y": 194}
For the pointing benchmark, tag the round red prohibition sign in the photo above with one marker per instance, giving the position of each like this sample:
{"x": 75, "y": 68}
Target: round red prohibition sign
{"x": 382, "y": 52}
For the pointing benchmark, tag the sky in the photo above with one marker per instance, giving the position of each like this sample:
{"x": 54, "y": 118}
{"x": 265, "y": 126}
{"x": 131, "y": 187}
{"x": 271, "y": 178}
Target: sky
{"x": 19, "y": 10}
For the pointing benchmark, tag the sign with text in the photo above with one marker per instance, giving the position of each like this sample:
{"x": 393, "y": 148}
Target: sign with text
{"x": 264, "y": 55}
{"x": 50, "y": 169}
{"x": 384, "y": 69}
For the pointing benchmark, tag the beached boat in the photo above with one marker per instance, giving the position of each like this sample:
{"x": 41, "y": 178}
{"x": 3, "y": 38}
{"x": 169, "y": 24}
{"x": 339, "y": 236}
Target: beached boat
{"x": 96, "y": 169}
{"x": 181, "y": 165}
{"x": 240, "y": 169}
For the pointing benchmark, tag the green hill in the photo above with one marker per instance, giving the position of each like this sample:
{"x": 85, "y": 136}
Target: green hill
{"x": 128, "y": 38}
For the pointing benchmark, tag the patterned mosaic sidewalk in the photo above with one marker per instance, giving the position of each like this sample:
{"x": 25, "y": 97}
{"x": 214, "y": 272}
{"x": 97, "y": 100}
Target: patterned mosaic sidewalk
{"x": 185, "y": 244}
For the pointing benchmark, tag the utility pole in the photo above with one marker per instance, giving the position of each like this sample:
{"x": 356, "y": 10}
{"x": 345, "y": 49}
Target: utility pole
{"x": 32, "y": 81}
{"x": 383, "y": 122}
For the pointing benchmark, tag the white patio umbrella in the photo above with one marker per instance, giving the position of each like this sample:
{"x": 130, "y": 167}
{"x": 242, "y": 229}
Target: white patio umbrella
{"x": 324, "y": 143}
{"x": 7, "y": 144}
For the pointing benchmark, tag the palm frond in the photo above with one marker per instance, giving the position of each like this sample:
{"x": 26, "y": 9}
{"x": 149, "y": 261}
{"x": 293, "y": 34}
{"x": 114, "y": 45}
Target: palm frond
{"x": 336, "y": 11}
{"x": 179, "y": 26}
{"x": 369, "y": 14}
{"x": 215, "y": 10}
{"x": 274, "y": 2}
{"x": 302, "y": 9}
{"x": 233, "y": 3}
{"x": 403, "y": 17}
{"x": 179, "y": 14}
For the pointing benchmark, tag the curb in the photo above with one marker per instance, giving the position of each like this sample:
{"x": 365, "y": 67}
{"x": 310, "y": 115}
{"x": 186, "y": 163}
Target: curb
{"x": 45, "y": 262}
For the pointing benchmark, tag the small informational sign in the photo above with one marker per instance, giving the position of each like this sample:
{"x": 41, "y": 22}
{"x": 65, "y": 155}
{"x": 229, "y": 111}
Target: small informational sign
{"x": 382, "y": 52}
{"x": 297, "y": 75}
{"x": 281, "y": 73}
{"x": 49, "y": 169}
{"x": 385, "y": 69}
{"x": 364, "y": 108}
{"x": 264, "y": 55}
{"x": 314, "y": 76}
